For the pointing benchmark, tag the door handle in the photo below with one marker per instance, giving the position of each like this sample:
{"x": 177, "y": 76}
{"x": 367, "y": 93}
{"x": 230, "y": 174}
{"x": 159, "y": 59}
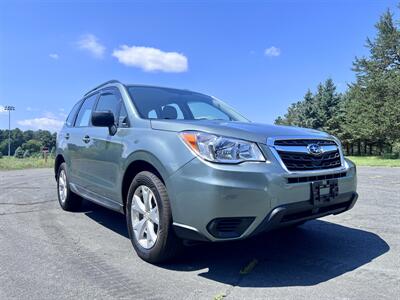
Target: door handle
{"x": 86, "y": 139}
{"x": 67, "y": 136}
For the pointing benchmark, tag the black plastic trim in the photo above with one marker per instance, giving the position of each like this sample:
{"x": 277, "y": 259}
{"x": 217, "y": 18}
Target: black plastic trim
{"x": 303, "y": 179}
{"x": 302, "y": 211}
{"x": 101, "y": 85}
{"x": 231, "y": 227}
{"x": 187, "y": 234}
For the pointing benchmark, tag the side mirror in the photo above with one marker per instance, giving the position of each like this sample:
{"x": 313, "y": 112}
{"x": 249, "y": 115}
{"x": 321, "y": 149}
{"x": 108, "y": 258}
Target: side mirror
{"x": 104, "y": 119}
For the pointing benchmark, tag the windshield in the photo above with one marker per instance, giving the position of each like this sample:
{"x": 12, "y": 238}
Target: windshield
{"x": 165, "y": 103}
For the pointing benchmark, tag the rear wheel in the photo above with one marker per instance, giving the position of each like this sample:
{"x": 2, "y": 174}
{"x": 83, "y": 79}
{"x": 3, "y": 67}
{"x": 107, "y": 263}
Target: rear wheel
{"x": 149, "y": 219}
{"x": 68, "y": 200}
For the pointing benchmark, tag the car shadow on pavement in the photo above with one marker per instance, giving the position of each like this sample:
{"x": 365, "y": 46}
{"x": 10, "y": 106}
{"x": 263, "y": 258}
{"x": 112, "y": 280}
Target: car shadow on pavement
{"x": 310, "y": 254}
{"x": 108, "y": 218}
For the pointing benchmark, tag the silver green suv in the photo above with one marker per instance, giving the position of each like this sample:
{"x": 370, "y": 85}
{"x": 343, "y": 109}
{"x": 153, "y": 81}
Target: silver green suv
{"x": 185, "y": 166}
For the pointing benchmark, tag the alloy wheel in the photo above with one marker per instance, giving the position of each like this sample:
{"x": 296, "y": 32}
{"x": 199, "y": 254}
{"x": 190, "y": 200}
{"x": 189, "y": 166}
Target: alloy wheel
{"x": 62, "y": 186}
{"x": 145, "y": 216}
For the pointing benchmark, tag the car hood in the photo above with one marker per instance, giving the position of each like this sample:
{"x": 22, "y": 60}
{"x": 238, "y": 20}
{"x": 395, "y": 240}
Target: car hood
{"x": 255, "y": 132}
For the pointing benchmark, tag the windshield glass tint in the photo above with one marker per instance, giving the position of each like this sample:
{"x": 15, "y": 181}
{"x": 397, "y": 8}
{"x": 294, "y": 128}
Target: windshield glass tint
{"x": 165, "y": 103}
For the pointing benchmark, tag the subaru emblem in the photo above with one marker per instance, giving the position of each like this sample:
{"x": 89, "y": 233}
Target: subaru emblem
{"x": 314, "y": 149}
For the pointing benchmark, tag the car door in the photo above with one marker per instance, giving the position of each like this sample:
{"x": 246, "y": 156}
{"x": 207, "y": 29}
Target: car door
{"x": 64, "y": 137}
{"x": 78, "y": 145}
{"x": 107, "y": 149}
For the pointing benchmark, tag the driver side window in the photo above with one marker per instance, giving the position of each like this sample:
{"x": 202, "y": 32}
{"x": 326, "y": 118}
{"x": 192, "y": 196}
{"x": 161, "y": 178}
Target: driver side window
{"x": 84, "y": 116}
{"x": 109, "y": 102}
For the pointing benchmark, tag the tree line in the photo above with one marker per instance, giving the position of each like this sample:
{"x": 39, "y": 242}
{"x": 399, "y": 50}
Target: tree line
{"x": 366, "y": 117}
{"x": 27, "y": 143}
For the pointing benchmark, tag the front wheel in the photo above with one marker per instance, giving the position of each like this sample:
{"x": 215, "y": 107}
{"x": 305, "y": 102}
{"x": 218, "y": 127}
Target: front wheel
{"x": 68, "y": 200}
{"x": 149, "y": 219}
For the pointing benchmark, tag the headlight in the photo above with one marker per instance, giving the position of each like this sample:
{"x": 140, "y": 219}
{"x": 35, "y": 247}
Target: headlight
{"x": 221, "y": 149}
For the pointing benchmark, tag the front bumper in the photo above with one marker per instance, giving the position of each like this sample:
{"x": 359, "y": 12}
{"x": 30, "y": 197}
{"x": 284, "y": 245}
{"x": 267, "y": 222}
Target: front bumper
{"x": 286, "y": 215}
{"x": 253, "y": 196}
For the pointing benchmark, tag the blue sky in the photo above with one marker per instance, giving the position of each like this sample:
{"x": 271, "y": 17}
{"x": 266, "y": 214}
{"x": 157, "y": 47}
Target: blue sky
{"x": 257, "y": 56}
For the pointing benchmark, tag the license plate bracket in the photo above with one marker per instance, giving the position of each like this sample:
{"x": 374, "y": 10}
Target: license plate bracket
{"x": 324, "y": 191}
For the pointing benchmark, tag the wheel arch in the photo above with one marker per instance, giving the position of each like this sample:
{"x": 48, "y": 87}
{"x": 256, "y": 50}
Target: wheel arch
{"x": 57, "y": 163}
{"x": 139, "y": 162}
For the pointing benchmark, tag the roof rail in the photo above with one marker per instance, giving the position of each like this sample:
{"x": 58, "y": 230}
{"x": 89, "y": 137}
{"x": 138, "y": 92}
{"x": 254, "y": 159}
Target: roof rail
{"x": 103, "y": 84}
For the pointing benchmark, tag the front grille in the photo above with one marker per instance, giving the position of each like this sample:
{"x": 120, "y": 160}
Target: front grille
{"x": 299, "y": 159}
{"x": 307, "y": 162}
{"x": 303, "y": 142}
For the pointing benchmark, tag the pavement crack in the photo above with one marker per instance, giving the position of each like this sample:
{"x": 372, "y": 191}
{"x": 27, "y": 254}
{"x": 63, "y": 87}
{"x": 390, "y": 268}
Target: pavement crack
{"x": 26, "y": 204}
{"x": 21, "y": 187}
{"x": 246, "y": 270}
{"x": 20, "y": 212}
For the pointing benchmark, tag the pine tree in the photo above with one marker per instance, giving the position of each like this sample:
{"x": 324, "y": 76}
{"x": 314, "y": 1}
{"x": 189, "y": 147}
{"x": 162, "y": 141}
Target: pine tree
{"x": 374, "y": 106}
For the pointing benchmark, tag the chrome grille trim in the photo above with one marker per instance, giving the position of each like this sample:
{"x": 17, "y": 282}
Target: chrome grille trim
{"x": 327, "y": 140}
{"x": 304, "y": 149}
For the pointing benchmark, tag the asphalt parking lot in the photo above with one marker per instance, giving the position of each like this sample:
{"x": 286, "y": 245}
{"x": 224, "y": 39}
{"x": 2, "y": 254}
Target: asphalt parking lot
{"x": 46, "y": 253}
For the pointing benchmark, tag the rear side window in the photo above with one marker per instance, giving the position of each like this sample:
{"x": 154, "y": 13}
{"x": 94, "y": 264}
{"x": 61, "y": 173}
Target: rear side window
{"x": 109, "y": 101}
{"x": 85, "y": 113}
{"x": 71, "y": 117}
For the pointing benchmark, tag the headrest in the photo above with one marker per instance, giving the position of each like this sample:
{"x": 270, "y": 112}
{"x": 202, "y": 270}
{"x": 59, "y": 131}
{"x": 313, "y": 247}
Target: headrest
{"x": 169, "y": 112}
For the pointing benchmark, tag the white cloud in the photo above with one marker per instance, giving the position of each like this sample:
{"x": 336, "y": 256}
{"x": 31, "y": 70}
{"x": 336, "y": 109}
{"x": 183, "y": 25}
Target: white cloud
{"x": 42, "y": 123}
{"x": 49, "y": 115}
{"x": 62, "y": 113}
{"x": 90, "y": 43}
{"x": 151, "y": 59}
{"x": 54, "y": 56}
{"x": 272, "y": 51}
{"x": 2, "y": 109}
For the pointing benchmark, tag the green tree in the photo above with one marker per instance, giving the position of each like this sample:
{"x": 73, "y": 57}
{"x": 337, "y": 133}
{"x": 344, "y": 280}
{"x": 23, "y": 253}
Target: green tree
{"x": 315, "y": 111}
{"x": 45, "y": 137}
{"x": 27, "y": 154}
{"x": 53, "y": 152}
{"x": 19, "y": 153}
{"x": 374, "y": 99}
{"x": 28, "y": 135}
{"x": 32, "y": 146}
{"x": 368, "y": 113}
{"x": 4, "y": 147}
{"x": 309, "y": 111}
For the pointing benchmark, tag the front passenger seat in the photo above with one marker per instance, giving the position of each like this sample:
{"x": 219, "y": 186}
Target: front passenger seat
{"x": 169, "y": 112}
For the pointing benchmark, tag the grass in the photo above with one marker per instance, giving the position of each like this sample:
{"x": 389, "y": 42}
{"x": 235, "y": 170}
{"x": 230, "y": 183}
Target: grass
{"x": 11, "y": 163}
{"x": 374, "y": 161}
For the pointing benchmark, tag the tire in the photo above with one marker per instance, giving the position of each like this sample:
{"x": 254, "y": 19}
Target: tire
{"x": 68, "y": 200}
{"x": 154, "y": 243}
